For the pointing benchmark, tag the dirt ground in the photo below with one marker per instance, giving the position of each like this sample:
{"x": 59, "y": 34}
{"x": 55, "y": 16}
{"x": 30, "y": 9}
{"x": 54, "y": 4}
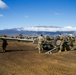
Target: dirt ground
{"x": 23, "y": 58}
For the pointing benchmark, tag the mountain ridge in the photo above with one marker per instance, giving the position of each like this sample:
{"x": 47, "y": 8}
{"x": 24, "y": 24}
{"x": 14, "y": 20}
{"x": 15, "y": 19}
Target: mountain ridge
{"x": 36, "y": 30}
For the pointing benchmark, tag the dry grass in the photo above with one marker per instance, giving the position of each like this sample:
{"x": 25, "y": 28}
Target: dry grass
{"x": 24, "y": 59}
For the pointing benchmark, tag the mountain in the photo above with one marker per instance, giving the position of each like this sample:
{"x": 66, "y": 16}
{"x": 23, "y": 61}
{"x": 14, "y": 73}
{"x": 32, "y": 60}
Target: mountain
{"x": 47, "y": 28}
{"x": 36, "y": 30}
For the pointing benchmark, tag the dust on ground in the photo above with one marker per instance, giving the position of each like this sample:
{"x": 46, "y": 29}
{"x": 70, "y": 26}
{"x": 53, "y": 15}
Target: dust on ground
{"x": 23, "y": 58}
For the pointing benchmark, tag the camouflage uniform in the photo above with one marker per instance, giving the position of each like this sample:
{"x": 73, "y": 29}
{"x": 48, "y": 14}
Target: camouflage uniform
{"x": 60, "y": 36}
{"x": 58, "y": 41}
{"x": 73, "y": 48}
{"x": 61, "y": 41}
{"x": 4, "y": 44}
{"x": 66, "y": 44}
{"x": 40, "y": 43}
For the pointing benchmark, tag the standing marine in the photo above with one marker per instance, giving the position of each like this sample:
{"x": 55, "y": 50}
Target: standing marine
{"x": 4, "y": 44}
{"x": 40, "y": 43}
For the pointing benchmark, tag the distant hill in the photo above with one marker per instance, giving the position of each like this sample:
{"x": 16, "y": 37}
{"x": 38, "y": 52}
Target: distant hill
{"x": 36, "y": 30}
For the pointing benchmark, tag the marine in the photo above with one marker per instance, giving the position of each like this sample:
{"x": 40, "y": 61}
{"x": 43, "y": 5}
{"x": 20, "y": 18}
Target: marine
{"x": 40, "y": 43}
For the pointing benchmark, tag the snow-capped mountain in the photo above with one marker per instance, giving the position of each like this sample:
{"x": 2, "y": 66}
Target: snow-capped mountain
{"x": 47, "y": 28}
{"x": 36, "y": 30}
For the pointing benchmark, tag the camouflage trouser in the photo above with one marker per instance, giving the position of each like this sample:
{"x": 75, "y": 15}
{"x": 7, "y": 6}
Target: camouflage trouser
{"x": 73, "y": 48}
{"x": 59, "y": 47}
{"x": 40, "y": 46}
{"x": 65, "y": 46}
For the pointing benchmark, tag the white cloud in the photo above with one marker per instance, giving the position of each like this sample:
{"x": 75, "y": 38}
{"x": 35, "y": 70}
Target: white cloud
{"x": 51, "y": 29}
{"x": 3, "y": 5}
{"x": 57, "y": 13}
{"x": 1, "y": 15}
{"x": 69, "y": 27}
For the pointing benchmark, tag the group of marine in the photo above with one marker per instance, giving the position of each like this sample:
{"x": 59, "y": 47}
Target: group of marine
{"x": 58, "y": 43}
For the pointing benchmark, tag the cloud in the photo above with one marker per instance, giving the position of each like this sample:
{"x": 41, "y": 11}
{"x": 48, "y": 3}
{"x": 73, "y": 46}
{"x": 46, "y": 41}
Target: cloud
{"x": 49, "y": 28}
{"x": 3, "y": 5}
{"x": 1, "y": 15}
{"x": 57, "y": 13}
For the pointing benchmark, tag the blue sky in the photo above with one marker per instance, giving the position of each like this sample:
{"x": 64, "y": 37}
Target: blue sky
{"x": 23, "y": 13}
